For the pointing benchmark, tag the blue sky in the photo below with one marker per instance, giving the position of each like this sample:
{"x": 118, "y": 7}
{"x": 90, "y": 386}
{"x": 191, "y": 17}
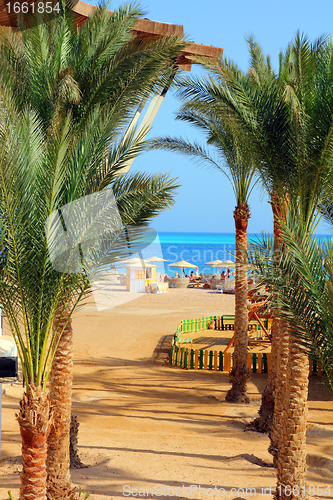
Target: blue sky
{"x": 206, "y": 201}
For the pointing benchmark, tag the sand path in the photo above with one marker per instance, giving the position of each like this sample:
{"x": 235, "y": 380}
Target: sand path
{"x": 146, "y": 425}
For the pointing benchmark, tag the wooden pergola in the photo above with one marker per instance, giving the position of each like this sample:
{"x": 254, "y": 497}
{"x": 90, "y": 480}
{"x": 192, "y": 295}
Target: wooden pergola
{"x": 144, "y": 28}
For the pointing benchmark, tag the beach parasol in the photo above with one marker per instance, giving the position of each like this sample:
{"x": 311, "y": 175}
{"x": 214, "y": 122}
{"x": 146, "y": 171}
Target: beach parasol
{"x": 182, "y": 264}
{"x": 133, "y": 260}
{"x": 155, "y": 259}
{"x": 225, "y": 264}
{"x": 213, "y": 263}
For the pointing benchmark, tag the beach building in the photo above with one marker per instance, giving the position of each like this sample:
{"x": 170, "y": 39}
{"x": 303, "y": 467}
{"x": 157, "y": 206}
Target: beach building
{"x": 139, "y": 276}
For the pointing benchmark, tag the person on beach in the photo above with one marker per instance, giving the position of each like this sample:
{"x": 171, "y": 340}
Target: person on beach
{"x": 223, "y": 275}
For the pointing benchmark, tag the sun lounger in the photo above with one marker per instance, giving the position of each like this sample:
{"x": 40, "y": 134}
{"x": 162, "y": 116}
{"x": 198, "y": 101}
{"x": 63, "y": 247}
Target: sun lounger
{"x": 229, "y": 286}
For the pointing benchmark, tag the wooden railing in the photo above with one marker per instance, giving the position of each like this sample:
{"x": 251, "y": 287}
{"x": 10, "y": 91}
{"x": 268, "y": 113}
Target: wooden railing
{"x": 203, "y": 359}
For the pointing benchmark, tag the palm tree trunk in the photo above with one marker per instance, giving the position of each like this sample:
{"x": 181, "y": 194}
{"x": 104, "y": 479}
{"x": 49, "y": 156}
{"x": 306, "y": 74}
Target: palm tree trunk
{"x": 265, "y": 421}
{"x": 291, "y": 460}
{"x": 282, "y": 351}
{"x": 240, "y": 372}
{"x": 58, "y": 475}
{"x": 35, "y": 421}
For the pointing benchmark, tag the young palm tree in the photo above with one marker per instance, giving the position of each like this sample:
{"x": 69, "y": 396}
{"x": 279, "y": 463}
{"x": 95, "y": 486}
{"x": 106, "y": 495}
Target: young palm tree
{"x": 201, "y": 108}
{"x": 83, "y": 85}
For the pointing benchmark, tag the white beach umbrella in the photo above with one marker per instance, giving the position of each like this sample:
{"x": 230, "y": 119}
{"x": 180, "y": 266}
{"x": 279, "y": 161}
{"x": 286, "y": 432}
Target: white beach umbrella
{"x": 213, "y": 263}
{"x": 225, "y": 264}
{"x": 182, "y": 264}
{"x": 156, "y": 259}
{"x": 133, "y": 260}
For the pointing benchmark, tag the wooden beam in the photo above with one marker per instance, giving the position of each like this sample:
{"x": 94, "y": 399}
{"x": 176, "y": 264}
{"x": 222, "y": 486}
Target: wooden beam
{"x": 144, "y": 28}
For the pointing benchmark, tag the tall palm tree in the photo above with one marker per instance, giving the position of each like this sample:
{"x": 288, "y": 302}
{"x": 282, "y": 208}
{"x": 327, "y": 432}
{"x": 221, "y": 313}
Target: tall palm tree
{"x": 305, "y": 78}
{"x": 82, "y": 85}
{"x": 285, "y": 122}
{"x": 201, "y": 108}
{"x": 303, "y": 279}
{"x": 304, "y": 83}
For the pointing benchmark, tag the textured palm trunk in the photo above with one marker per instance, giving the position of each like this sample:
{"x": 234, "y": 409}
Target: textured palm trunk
{"x": 266, "y": 412}
{"x": 280, "y": 352}
{"x": 281, "y": 388}
{"x": 34, "y": 420}
{"x": 291, "y": 460}
{"x": 240, "y": 372}
{"x": 58, "y": 475}
{"x": 264, "y": 422}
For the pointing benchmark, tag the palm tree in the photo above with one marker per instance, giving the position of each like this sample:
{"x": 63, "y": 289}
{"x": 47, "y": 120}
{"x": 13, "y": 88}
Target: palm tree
{"x": 285, "y": 123}
{"x": 305, "y": 77}
{"x": 201, "y": 108}
{"x": 303, "y": 279}
{"x": 305, "y": 80}
{"x": 81, "y": 85}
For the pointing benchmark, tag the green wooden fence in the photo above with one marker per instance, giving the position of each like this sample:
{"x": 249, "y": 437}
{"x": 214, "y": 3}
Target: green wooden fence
{"x": 204, "y": 359}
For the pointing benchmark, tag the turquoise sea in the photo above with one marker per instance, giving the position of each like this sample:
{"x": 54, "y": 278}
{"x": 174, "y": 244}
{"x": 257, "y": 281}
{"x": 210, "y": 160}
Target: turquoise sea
{"x": 197, "y": 248}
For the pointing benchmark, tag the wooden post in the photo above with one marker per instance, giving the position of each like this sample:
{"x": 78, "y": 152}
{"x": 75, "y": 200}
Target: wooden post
{"x": 215, "y": 360}
{"x": 185, "y": 358}
{"x": 196, "y": 359}
{"x": 176, "y": 355}
{"x": 192, "y": 359}
{"x": 249, "y": 361}
{"x": 220, "y": 361}
{"x": 227, "y": 361}
{"x": 200, "y": 359}
{"x": 210, "y": 366}
{"x": 205, "y": 360}
{"x": 260, "y": 362}
{"x": 171, "y": 354}
{"x": 264, "y": 362}
{"x": 181, "y": 356}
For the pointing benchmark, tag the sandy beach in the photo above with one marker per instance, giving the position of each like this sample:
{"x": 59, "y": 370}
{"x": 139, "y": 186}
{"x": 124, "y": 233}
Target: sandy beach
{"x": 145, "y": 425}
